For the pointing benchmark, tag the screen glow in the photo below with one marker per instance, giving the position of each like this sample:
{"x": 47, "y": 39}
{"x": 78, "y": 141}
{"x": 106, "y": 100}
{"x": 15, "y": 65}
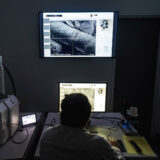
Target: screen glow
{"x": 96, "y": 93}
{"x": 77, "y": 34}
{"x": 28, "y": 119}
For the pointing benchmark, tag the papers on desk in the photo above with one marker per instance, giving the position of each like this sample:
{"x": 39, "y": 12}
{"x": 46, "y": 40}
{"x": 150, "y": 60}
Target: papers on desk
{"x": 98, "y": 130}
{"x": 141, "y": 142}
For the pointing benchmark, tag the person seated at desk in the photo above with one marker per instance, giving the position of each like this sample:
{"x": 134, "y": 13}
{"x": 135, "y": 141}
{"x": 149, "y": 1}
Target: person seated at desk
{"x": 69, "y": 140}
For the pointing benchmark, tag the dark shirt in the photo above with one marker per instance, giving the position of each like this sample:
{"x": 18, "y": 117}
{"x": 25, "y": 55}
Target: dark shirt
{"x": 67, "y": 143}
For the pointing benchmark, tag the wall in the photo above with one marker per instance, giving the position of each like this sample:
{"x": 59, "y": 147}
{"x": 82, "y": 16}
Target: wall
{"x": 137, "y": 47}
{"x": 155, "y": 130}
{"x": 36, "y": 79}
{"x": 124, "y": 7}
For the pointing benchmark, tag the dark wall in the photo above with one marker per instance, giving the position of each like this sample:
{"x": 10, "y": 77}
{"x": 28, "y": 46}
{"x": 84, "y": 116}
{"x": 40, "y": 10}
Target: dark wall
{"x": 36, "y": 79}
{"x": 137, "y": 48}
{"x": 125, "y": 7}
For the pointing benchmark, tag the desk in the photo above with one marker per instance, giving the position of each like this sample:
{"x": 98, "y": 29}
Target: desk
{"x": 106, "y": 124}
{"x": 11, "y": 150}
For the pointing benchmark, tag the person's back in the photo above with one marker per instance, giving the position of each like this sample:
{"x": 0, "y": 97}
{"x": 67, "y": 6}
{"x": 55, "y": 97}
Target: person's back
{"x": 69, "y": 141}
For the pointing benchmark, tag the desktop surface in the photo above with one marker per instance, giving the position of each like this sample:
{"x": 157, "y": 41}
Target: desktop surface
{"x": 102, "y": 124}
{"x": 18, "y": 146}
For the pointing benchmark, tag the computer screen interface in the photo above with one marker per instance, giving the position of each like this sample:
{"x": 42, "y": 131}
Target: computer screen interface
{"x": 77, "y": 34}
{"x": 96, "y": 93}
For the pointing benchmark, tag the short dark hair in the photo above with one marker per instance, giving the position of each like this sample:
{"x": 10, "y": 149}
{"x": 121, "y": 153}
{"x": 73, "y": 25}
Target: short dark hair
{"x": 75, "y": 110}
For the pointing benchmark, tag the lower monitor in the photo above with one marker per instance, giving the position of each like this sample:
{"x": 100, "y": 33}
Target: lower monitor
{"x": 96, "y": 93}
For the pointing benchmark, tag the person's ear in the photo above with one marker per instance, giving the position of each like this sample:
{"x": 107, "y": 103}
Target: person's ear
{"x": 88, "y": 122}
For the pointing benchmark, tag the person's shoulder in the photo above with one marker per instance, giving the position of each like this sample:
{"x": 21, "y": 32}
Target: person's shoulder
{"x": 97, "y": 141}
{"x": 100, "y": 149}
{"x": 49, "y": 131}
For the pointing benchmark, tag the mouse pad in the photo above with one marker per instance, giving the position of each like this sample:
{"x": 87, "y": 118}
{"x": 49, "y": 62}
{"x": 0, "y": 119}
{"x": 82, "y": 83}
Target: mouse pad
{"x": 141, "y": 142}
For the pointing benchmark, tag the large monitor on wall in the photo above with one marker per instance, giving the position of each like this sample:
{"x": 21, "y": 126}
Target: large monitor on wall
{"x": 77, "y": 34}
{"x": 96, "y": 93}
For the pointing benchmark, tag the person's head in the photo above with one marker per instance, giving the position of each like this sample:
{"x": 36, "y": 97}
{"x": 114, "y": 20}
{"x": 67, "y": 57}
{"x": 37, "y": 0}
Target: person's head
{"x": 75, "y": 110}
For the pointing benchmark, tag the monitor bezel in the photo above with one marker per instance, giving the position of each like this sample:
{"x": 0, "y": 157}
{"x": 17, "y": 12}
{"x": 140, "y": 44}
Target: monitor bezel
{"x": 84, "y": 83}
{"x": 41, "y": 47}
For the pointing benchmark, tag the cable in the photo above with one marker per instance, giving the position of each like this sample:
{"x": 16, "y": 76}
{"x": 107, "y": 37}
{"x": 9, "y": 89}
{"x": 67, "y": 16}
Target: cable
{"x": 51, "y": 123}
{"x": 11, "y": 78}
{"x": 3, "y": 96}
{"x": 20, "y": 129}
{"x": 113, "y": 120}
{"x": 54, "y": 121}
{"x": 106, "y": 118}
{"x": 20, "y": 142}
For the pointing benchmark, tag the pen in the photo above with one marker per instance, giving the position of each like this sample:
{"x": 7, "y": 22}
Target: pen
{"x": 137, "y": 148}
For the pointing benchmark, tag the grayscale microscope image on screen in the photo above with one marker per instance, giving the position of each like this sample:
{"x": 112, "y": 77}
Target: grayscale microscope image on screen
{"x": 73, "y": 37}
{"x": 77, "y": 34}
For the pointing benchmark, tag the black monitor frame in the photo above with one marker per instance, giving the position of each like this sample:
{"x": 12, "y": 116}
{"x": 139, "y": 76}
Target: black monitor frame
{"x": 41, "y": 42}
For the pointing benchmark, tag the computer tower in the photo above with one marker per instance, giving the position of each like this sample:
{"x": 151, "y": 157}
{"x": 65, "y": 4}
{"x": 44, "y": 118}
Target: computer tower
{"x": 4, "y": 130}
{"x": 12, "y": 104}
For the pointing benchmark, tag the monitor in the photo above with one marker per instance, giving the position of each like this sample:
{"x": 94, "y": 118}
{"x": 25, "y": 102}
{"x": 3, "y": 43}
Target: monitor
{"x": 77, "y": 34}
{"x": 96, "y": 93}
{"x": 28, "y": 119}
